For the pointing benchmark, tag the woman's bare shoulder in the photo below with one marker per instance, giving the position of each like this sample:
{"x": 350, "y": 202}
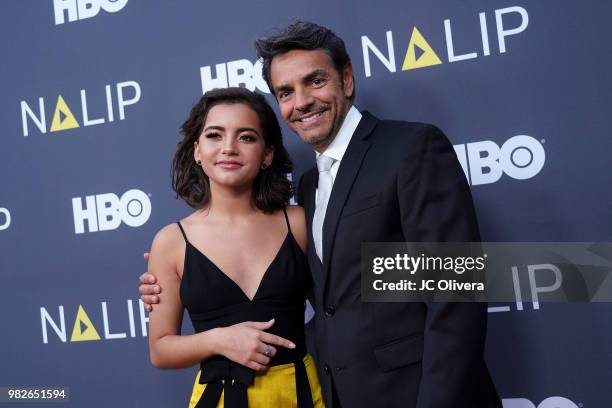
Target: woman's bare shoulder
{"x": 296, "y": 214}
{"x": 297, "y": 220}
{"x": 167, "y": 239}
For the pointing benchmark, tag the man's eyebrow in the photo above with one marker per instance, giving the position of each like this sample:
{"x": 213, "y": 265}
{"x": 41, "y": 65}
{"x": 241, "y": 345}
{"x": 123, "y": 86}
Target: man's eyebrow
{"x": 307, "y": 78}
{"x": 282, "y": 88}
{"x": 314, "y": 74}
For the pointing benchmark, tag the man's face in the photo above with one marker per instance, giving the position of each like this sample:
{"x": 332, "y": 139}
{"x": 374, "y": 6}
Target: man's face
{"x": 312, "y": 96}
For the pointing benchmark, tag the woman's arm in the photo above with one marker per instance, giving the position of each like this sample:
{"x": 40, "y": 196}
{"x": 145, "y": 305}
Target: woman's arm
{"x": 167, "y": 348}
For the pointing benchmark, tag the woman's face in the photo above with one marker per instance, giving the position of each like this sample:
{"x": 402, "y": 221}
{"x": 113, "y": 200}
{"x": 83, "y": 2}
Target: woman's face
{"x": 231, "y": 146}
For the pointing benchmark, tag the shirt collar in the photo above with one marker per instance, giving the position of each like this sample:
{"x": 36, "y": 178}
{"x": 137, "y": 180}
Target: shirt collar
{"x": 338, "y": 146}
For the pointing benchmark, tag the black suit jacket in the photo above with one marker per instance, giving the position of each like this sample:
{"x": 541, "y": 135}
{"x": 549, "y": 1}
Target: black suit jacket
{"x": 397, "y": 181}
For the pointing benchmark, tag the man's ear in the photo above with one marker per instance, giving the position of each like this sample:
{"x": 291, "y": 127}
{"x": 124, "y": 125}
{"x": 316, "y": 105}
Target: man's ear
{"x": 348, "y": 81}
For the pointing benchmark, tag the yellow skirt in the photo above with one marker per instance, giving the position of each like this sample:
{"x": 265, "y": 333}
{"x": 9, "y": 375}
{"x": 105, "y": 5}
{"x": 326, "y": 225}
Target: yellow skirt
{"x": 274, "y": 387}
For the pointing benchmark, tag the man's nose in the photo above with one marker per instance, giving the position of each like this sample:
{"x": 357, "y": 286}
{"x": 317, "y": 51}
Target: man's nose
{"x": 303, "y": 100}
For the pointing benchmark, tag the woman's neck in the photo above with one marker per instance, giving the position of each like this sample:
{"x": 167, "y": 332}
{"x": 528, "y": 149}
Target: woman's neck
{"x": 230, "y": 204}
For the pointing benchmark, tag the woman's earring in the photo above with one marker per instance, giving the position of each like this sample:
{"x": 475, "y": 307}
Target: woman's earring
{"x": 264, "y": 166}
{"x": 199, "y": 162}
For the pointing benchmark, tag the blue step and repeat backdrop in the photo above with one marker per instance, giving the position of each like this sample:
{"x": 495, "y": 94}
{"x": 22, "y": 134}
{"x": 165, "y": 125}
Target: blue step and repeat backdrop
{"x": 92, "y": 95}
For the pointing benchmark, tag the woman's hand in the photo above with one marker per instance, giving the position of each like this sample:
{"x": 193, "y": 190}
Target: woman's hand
{"x": 248, "y": 343}
{"x": 149, "y": 291}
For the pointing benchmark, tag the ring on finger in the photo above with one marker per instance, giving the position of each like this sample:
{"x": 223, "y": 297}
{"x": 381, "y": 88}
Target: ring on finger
{"x": 267, "y": 351}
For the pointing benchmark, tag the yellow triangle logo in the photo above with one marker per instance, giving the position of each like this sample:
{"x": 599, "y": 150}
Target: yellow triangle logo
{"x": 63, "y": 118}
{"x": 83, "y": 329}
{"x": 419, "y": 53}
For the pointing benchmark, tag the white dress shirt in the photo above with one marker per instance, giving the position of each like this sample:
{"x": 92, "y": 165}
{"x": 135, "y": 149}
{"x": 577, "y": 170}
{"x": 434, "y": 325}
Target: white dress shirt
{"x": 338, "y": 147}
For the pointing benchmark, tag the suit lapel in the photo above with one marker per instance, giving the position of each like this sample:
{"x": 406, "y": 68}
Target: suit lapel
{"x": 347, "y": 173}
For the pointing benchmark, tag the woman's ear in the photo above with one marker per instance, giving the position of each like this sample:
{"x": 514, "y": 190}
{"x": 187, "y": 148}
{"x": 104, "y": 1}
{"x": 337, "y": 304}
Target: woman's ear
{"x": 196, "y": 152}
{"x": 268, "y": 157}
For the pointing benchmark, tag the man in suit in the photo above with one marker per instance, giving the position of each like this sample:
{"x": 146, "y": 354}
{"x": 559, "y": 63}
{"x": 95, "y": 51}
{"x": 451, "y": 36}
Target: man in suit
{"x": 375, "y": 180}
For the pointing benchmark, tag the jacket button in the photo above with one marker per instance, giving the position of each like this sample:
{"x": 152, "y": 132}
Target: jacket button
{"x": 329, "y": 311}
{"x": 326, "y": 369}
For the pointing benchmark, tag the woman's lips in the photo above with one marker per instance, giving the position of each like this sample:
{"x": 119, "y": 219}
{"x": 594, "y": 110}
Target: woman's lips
{"x": 229, "y": 164}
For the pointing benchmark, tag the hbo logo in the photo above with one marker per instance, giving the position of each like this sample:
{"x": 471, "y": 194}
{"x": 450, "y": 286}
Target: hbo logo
{"x": 4, "y": 213}
{"x": 105, "y": 212}
{"x": 234, "y": 73}
{"x": 551, "y": 402}
{"x": 82, "y": 9}
{"x": 520, "y": 157}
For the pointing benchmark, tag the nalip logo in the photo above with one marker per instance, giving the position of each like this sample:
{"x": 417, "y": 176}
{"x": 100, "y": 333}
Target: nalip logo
{"x": 420, "y": 54}
{"x": 86, "y": 329}
{"x": 116, "y": 99}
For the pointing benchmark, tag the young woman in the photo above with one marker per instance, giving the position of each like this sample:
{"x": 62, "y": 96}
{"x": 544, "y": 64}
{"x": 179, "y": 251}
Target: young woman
{"x": 236, "y": 264}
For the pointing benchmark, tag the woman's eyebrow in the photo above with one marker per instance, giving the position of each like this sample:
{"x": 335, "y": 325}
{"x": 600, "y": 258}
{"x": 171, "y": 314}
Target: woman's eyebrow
{"x": 248, "y": 129}
{"x": 214, "y": 127}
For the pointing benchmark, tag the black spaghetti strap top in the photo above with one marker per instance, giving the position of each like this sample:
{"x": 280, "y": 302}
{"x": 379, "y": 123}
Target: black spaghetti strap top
{"x": 214, "y": 300}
